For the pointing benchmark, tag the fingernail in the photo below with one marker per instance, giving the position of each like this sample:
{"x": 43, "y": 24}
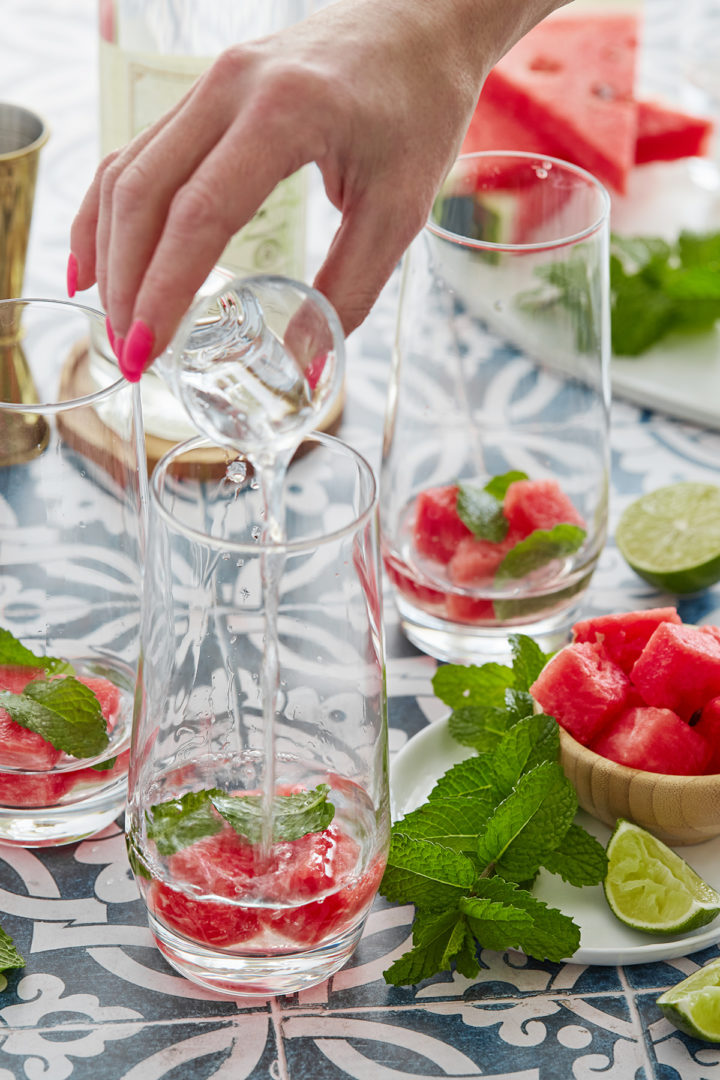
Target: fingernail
{"x": 109, "y": 332}
{"x": 136, "y": 350}
{"x": 72, "y": 275}
{"x": 118, "y": 347}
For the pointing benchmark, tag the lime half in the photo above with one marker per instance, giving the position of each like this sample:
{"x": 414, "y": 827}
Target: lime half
{"x": 693, "y": 1005}
{"x": 651, "y": 888}
{"x": 671, "y": 537}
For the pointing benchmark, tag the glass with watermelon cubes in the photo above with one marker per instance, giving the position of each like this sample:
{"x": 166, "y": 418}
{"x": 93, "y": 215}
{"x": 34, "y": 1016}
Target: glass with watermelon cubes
{"x": 258, "y": 812}
{"x": 71, "y": 540}
{"x": 494, "y": 473}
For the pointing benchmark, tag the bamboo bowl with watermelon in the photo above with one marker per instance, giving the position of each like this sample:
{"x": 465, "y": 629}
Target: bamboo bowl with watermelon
{"x": 637, "y": 698}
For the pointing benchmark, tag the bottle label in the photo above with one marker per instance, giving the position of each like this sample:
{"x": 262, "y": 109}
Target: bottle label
{"x": 137, "y": 88}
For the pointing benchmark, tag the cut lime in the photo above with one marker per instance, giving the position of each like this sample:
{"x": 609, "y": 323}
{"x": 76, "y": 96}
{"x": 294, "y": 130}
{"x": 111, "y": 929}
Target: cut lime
{"x": 671, "y": 537}
{"x": 693, "y": 1005}
{"x": 650, "y": 888}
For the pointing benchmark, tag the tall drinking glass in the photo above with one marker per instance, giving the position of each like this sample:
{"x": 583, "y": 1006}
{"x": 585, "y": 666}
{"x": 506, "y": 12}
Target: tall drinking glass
{"x": 258, "y": 817}
{"x": 71, "y": 536}
{"x": 494, "y": 474}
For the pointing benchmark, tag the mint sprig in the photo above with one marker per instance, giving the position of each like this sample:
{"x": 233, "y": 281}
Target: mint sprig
{"x": 490, "y": 823}
{"x": 180, "y": 822}
{"x": 539, "y": 548}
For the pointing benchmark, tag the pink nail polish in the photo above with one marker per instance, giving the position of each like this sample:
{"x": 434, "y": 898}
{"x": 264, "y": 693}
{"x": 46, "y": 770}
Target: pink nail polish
{"x": 136, "y": 350}
{"x": 72, "y": 275}
{"x": 118, "y": 347}
{"x": 109, "y": 332}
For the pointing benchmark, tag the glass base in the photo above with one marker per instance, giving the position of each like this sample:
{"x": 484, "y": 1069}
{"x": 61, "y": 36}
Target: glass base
{"x": 460, "y": 643}
{"x": 248, "y": 975}
{"x": 50, "y": 826}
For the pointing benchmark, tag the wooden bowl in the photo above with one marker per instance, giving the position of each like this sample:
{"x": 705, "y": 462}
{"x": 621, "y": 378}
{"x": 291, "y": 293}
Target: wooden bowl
{"x": 676, "y": 809}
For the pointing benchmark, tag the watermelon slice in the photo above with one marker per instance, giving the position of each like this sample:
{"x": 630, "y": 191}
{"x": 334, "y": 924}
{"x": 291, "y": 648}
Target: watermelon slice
{"x": 571, "y": 81}
{"x": 583, "y": 689}
{"x": 666, "y": 134}
{"x": 624, "y": 636}
{"x": 655, "y": 740}
{"x": 663, "y": 133}
{"x": 475, "y": 561}
{"x": 438, "y": 528}
{"x": 678, "y": 669}
{"x": 538, "y": 504}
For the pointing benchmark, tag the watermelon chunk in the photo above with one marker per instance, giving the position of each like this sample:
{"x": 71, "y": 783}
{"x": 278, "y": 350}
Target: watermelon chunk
{"x": 221, "y": 864}
{"x": 571, "y": 79}
{"x": 19, "y": 747}
{"x": 538, "y": 504}
{"x": 438, "y": 527}
{"x": 583, "y": 689}
{"x": 666, "y": 134}
{"x": 475, "y": 561}
{"x": 655, "y": 740}
{"x": 468, "y": 609}
{"x": 678, "y": 669}
{"x": 709, "y": 727}
{"x": 624, "y": 636}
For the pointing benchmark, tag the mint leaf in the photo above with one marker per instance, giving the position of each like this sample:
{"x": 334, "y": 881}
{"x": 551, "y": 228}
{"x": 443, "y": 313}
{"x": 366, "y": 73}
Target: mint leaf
{"x": 529, "y": 743}
{"x": 498, "y": 485}
{"x": 551, "y": 934}
{"x": 518, "y": 705}
{"x": 424, "y": 873}
{"x": 699, "y": 249}
{"x": 458, "y": 685}
{"x": 64, "y": 711}
{"x": 293, "y": 815}
{"x": 12, "y": 652}
{"x": 580, "y": 859}
{"x": 528, "y": 660}
{"x": 539, "y": 548}
{"x": 495, "y": 923}
{"x": 529, "y": 823}
{"x": 9, "y": 956}
{"x": 482, "y": 513}
{"x": 453, "y": 822}
{"x": 480, "y": 728}
{"x": 439, "y": 938}
{"x": 178, "y": 823}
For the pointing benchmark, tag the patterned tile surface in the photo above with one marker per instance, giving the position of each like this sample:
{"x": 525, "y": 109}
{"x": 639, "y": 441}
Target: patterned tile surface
{"x": 97, "y": 1000}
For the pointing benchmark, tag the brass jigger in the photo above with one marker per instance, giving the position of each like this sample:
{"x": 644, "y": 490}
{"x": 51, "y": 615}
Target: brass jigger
{"x": 23, "y": 434}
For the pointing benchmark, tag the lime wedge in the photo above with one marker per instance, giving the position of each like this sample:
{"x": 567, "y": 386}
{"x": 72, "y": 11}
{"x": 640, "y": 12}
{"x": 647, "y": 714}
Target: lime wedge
{"x": 693, "y": 1005}
{"x": 650, "y": 888}
{"x": 671, "y": 537}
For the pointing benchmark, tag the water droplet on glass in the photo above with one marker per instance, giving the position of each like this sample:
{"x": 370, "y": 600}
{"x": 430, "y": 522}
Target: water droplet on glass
{"x": 256, "y": 532}
{"x": 541, "y": 173}
{"x": 237, "y": 471}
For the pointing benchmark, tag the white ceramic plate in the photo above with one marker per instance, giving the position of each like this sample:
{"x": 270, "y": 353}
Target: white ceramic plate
{"x": 680, "y": 375}
{"x": 604, "y": 940}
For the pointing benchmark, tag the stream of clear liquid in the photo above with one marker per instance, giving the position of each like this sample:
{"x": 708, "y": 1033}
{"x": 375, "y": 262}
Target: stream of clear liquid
{"x": 270, "y": 471}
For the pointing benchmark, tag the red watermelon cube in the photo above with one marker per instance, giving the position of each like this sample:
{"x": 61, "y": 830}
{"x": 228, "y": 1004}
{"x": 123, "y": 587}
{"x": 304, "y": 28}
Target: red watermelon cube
{"x": 655, "y": 740}
{"x": 475, "y": 561}
{"x": 678, "y": 669}
{"x": 538, "y": 504}
{"x": 624, "y": 636}
{"x": 468, "y": 609}
{"x": 583, "y": 689}
{"x": 21, "y": 748}
{"x": 709, "y": 727}
{"x": 438, "y": 527}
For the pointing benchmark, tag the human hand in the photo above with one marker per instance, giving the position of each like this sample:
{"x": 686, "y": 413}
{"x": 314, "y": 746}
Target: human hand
{"x": 378, "y": 93}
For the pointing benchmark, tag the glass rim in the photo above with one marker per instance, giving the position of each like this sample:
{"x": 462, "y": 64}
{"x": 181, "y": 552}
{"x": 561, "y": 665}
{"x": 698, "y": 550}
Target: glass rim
{"x": 541, "y": 245}
{"x": 52, "y": 408}
{"x": 36, "y": 143}
{"x": 255, "y": 547}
